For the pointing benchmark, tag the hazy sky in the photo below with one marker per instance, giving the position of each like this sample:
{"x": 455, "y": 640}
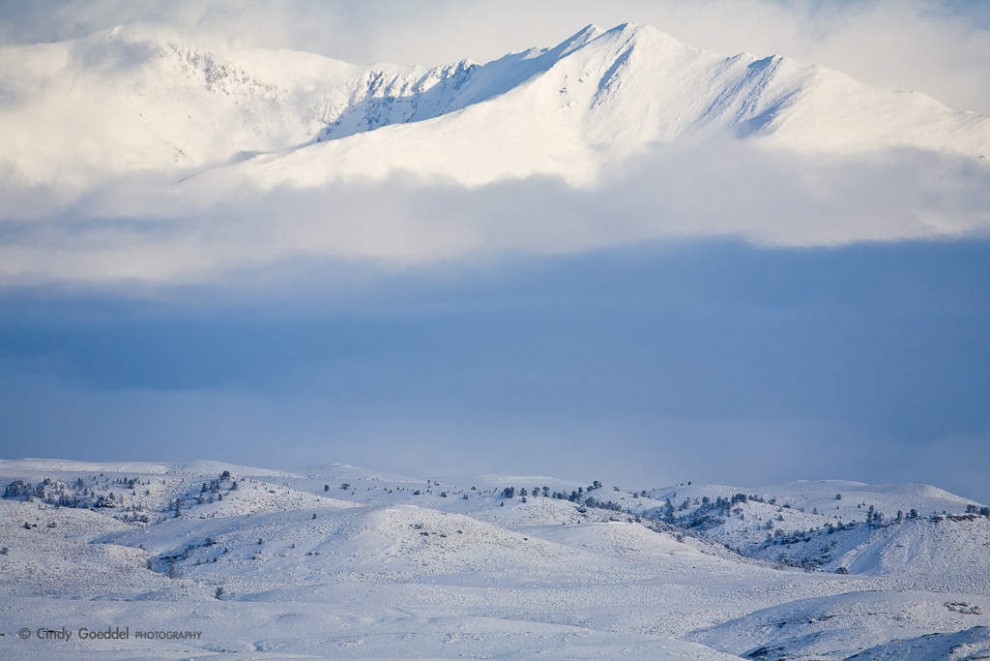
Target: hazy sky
{"x": 683, "y": 322}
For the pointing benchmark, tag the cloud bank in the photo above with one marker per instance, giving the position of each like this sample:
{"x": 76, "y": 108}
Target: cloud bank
{"x": 136, "y": 230}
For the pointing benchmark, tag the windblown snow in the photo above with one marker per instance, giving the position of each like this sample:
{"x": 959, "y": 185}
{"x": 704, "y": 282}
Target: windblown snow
{"x": 344, "y": 562}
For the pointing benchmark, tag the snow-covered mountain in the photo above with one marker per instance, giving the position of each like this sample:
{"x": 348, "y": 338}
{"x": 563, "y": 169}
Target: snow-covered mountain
{"x": 131, "y": 100}
{"x": 354, "y": 563}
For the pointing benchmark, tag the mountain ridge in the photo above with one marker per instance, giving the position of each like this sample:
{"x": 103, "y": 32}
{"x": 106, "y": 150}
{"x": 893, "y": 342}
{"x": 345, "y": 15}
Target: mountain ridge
{"x": 130, "y": 100}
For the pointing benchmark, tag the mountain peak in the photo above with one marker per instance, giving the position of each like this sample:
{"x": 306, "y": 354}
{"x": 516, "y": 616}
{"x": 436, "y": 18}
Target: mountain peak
{"x": 625, "y": 33}
{"x": 639, "y": 34}
{"x": 580, "y": 38}
{"x": 595, "y": 98}
{"x": 630, "y": 27}
{"x": 588, "y": 32}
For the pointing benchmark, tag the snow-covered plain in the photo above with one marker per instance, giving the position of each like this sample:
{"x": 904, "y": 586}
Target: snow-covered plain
{"x": 344, "y": 562}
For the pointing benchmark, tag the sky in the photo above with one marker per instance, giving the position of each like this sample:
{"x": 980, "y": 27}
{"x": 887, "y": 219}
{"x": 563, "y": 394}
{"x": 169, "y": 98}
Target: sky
{"x": 739, "y": 320}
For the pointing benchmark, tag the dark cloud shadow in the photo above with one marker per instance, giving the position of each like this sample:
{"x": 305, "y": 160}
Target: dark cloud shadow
{"x": 705, "y": 360}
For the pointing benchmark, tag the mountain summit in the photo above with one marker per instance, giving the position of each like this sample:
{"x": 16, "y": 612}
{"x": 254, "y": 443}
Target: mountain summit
{"x": 131, "y": 100}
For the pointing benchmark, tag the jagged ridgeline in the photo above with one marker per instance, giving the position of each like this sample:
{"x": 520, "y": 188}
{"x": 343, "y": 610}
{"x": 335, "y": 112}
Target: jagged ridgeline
{"x": 132, "y": 100}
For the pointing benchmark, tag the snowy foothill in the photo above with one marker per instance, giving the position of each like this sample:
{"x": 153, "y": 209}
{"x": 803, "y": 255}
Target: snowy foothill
{"x": 344, "y": 562}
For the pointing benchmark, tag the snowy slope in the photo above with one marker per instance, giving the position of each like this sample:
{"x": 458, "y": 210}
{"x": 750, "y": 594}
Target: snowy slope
{"x": 347, "y": 561}
{"x": 967, "y": 645}
{"x": 128, "y": 101}
{"x": 914, "y": 536}
{"x": 132, "y": 101}
{"x": 620, "y": 93}
{"x": 844, "y": 625}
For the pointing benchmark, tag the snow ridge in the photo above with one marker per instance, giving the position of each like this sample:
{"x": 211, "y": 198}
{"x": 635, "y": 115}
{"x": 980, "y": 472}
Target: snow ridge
{"x": 131, "y": 100}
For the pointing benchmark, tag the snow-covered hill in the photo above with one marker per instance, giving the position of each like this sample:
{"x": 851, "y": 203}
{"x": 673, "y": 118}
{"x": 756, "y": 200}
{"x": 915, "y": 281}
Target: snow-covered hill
{"x": 363, "y": 564}
{"x": 830, "y": 627}
{"x": 918, "y": 536}
{"x": 133, "y": 101}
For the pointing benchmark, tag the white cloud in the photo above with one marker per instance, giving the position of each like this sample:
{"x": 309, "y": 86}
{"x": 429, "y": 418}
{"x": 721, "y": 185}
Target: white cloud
{"x": 130, "y": 231}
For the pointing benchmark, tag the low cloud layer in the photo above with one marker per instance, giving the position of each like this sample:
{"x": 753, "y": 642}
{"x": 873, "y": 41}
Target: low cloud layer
{"x": 146, "y": 231}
